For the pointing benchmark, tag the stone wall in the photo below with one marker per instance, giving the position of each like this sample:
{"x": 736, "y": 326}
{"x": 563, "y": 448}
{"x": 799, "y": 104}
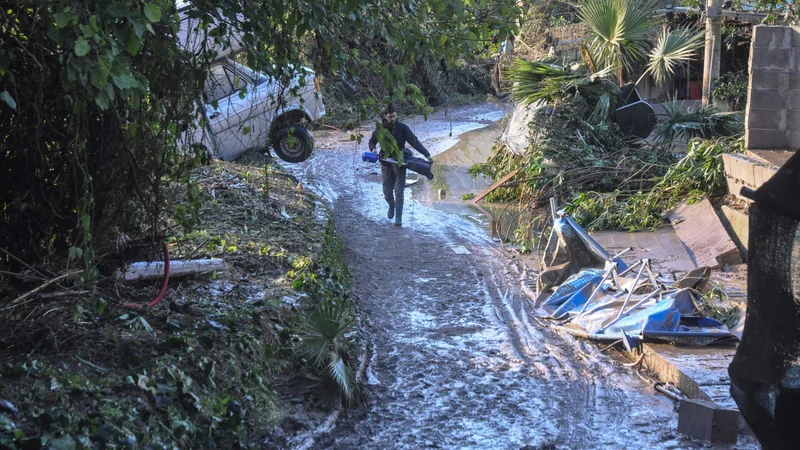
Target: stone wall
{"x": 566, "y": 40}
{"x": 773, "y": 106}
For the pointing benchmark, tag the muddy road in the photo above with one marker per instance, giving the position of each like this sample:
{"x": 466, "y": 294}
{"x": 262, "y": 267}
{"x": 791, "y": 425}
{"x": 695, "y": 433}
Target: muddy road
{"x": 457, "y": 360}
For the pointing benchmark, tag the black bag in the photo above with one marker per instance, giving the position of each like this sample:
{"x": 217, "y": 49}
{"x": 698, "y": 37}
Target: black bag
{"x": 418, "y": 165}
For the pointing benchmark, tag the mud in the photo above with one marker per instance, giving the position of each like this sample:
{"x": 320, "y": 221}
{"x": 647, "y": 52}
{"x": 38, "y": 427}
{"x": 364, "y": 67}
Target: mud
{"x": 457, "y": 360}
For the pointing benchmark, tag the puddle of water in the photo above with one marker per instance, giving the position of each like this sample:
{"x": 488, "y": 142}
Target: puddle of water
{"x": 450, "y": 167}
{"x": 451, "y": 176}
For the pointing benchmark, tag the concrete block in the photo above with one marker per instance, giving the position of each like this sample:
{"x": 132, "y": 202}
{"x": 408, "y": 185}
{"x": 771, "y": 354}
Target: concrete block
{"x": 764, "y": 139}
{"x": 793, "y": 140}
{"x": 773, "y": 58}
{"x": 743, "y": 170}
{"x": 763, "y": 78}
{"x": 738, "y": 225}
{"x": 768, "y": 98}
{"x": 792, "y": 119}
{"x": 795, "y": 36}
{"x": 794, "y": 94}
{"x": 770, "y": 119}
{"x": 699, "y": 228}
{"x": 772, "y": 36}
{"x": 706, "y": 421}
{"x": 771, "y": 158}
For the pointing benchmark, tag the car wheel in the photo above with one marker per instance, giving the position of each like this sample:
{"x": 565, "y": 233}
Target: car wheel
{"x": 293, "y": 143}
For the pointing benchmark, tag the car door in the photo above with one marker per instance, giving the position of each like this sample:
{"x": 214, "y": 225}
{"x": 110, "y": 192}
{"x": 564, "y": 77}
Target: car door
{"x": 234, "y": 122}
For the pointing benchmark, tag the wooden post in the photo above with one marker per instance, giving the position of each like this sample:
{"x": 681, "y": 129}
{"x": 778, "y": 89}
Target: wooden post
{"x": 713, "y": 48}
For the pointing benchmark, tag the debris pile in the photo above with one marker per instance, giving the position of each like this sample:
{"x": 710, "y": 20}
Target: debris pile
{"x": 594, "y": 295}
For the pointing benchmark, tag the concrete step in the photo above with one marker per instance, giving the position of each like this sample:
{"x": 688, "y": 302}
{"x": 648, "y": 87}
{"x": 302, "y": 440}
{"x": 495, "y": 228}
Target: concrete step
{"x": 743, "y": 170}
{"x": 703, "y": 234}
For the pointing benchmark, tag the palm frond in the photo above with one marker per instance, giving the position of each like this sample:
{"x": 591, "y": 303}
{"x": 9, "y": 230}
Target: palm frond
{"x": 673, "y": 47}
{"x": 536, "y": 81}
{"x": 684, "y": 124}
{"x": 322, "y": 330}
{"x": 621, "y": 31}
{"x": 341, "y": 373}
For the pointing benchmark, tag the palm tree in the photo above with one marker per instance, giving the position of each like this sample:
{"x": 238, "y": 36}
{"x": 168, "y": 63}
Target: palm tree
{"x": 621, "y": 31}
{"x": 621, "y": 34}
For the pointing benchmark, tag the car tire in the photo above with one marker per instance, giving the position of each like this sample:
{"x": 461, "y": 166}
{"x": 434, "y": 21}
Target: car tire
{"x": 293, "y": 143}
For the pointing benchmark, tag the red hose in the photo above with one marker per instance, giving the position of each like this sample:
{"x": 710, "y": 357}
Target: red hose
{"x": 163, "y": 290}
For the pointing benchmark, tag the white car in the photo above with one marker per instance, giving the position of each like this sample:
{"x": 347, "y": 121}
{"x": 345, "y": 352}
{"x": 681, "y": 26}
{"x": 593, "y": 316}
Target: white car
{"x": 247, "y": 110}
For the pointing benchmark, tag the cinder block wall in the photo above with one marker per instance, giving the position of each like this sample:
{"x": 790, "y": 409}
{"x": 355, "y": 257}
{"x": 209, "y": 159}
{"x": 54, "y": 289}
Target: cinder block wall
{"x": 773, "y": 106}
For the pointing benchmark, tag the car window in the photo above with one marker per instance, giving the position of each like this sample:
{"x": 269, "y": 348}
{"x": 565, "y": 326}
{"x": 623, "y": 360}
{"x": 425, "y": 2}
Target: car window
{"x": 258, "y": 77}
{"x": 222, "y": 82}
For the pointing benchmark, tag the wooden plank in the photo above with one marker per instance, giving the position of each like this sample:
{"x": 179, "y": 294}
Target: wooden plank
{"x": 496, "y": 184}
{"x": 701, "y": 231}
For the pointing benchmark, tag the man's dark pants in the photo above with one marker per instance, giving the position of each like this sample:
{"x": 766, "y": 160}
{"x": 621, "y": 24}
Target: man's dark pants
{"x": 394, "y": 183}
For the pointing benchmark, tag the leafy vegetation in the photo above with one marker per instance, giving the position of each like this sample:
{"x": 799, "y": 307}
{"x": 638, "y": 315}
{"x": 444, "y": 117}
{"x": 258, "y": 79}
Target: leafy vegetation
{"x": 99, "y": 81}
{"x": 732, "y": 89}
{"x": 682, "y": 123}
{"x": 697, "y": 175}
{"x": 214, "y": 367}
{"x": 577, "y": 152}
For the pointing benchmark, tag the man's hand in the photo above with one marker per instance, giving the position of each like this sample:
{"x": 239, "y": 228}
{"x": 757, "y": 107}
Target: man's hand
{"x": 429, "y": 159}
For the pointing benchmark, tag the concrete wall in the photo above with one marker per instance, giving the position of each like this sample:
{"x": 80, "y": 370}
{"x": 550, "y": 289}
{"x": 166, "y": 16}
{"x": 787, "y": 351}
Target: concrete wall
{"x": 773, "y": 106}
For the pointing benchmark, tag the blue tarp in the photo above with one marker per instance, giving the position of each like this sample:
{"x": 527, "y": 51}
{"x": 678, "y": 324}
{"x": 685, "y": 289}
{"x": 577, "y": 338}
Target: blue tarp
{"x": 665, "y": 316}
{"x": 670, "y": 315}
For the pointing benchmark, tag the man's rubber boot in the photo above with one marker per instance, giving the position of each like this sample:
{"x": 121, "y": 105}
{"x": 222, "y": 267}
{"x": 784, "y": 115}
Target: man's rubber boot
{"x": 390, "y": 214}
{"x": 398, "y": 219}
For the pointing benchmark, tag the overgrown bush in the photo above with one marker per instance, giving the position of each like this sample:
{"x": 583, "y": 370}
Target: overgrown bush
{"x": 732, "y": 89}
{"x": 96, "y": 97}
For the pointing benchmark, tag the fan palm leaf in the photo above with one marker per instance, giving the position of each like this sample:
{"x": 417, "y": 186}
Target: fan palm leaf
{"x": 673, "y": 47}
{"x": 701, "y": 122}
{"x": 322, "y": 330}
{"x": 342, "y": 374}
{"x": 536, "y": 81}
{"x": 620, "y": 30}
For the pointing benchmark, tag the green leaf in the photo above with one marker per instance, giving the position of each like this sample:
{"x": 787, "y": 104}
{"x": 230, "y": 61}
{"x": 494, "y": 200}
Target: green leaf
{"x": 65, "y": 442}
{"x": 93, "y": 23}
{"x": 82, "y": 47}
{"x": 153, "y": 12}
{"x": 99, "y": 77}
{"x": 118, "y": 10}
{"x": 134, "y": 44}
{"x": 8, "y": 99}
{"x": 75, "y": 253}
{"x": 245, "y": 131}
{"x": 126, "y": 81}
{"x": 102, "y": 100}
{"x": 62, "y": 18}
{"x": 101, "y": 306}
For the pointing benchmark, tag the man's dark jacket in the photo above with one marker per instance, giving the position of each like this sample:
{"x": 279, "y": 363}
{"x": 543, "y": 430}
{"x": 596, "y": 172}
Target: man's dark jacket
{"x": 403, "y": 135}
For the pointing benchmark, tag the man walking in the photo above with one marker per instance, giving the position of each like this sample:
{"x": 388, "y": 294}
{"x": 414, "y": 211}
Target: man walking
{"x": 394, "y": 178}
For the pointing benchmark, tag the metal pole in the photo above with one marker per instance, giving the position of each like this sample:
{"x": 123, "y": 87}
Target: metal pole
{"x": 625, "y": 314}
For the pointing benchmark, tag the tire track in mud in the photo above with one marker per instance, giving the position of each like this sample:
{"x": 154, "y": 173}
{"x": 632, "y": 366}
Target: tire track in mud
{"x": 457, "y": 360}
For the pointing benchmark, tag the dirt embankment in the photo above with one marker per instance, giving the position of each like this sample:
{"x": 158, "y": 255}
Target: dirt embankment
{"x": 216, "y": 364}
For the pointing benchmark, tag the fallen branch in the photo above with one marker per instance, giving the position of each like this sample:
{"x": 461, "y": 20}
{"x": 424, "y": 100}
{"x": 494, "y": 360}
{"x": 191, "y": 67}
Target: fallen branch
{"x": 43, "y": 286}
{"x": 23, "y": 263}
{"x": 497, "y": 184}
{"x": 64, "y": 294}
